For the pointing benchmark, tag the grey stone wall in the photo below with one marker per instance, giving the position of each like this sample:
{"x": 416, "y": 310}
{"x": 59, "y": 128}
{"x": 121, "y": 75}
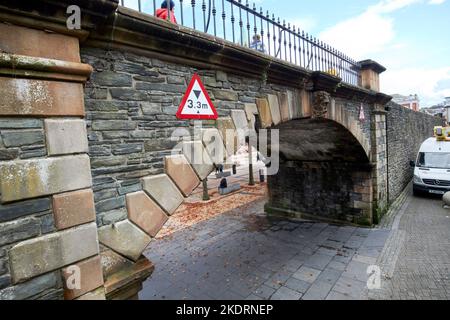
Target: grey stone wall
{"x": 334, "y": 191}
{"x": 23, "y": 139}
{"x": 406, "y": 131}
{"x": 131, "y": 102}
{"x": 353, "y": 108}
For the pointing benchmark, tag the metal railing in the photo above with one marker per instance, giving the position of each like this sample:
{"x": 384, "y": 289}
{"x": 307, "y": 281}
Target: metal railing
{"x": 243, "y": 24}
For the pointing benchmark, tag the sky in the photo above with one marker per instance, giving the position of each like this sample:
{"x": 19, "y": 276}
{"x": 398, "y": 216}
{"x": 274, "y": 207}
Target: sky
{"x": 411, "y": 38}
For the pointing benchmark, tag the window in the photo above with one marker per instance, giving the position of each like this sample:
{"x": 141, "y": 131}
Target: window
{"x": 434, "y": 160}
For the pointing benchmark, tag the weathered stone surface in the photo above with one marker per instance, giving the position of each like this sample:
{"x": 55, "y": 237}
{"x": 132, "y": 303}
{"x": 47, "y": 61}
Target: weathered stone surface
{"x": 110, "y": 204}
{"x": 113, "y": 125}
{"x": 29, "y": 42}
{"x": 284, "y": 107}
{"x": 128, "y": 94}
{"x": 151, "y": 145}
{"x": 95, "y": 295}
{"x": 5, "y": 281}
{"x": 112, "y": 79}
{"x": 251, "y": 110}
{"x": 181, "y": 172}
{"x": 163, "y": 87}
{"x": 161, "y": 189}
{"x": 198, "y": 157}
{"x": 306, "y": 103}
{"x": 124, "y": 238}
{"x": 33, "y": 178}
{"x": 18, "y": 230}
{"x": 127, "y": 148}
{"x": 112, "y": 216}
{"x": 47, "y": 224}
{"x": 22, "y": 138}
{"x": 145, "y": 213}
{"x": 295, "y": 106}
{"x": 33, "y": 152}
{"x": 91, "y": 277}
{"x": 23, "y": 208}
{"x": 221, "y": 76}
{"x": 274, "y": 105}
{"x": 418, "y": 127}
{"x": 31, "y": 288}
{"x": 112, "y": 262}
{"x": 264, "y": 113}
{"x": 3, "y": 266}
{"x": 40, "y": 98}
{"x": 240, "y": 120}
{"x": 50, "y": 252}
{"x": 15, "y": 123}
{"x": 214, "y": 145}
{"x": 226, "y": 95}
{"x": 10, "y": 154}
{"x": 229, "y": 136}
{"x": 107, "y": 162}
{"x": 66, "y": 136}
{"x": 73, "y": 208}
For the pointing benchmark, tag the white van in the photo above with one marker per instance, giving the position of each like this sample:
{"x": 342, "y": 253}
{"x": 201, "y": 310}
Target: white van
{"x": 432, "y": 167}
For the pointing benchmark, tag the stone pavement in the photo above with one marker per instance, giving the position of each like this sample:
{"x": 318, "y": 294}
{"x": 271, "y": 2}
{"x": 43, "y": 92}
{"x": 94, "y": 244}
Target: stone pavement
{"x": 419, "y": 251}
{"x": 245, "y": 255}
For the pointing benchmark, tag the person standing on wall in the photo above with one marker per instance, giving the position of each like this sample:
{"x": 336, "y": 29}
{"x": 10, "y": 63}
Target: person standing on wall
{"x": 163, "y": 12}
{"x": 257, "y": 44}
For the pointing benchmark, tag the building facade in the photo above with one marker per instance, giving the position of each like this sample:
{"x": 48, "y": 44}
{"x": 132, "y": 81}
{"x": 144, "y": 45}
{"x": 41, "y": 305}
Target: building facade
{"x": 411, "y": 102}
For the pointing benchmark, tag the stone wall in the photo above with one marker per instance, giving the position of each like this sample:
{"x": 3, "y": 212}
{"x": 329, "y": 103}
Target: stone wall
{"x": 131, "y": 102}
{"x": 406, "y": 131}
{"x": 322, "y": 190}
{"x": 47, "y": 218}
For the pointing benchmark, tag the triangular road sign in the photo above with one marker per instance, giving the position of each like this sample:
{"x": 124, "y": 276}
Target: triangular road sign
{"x": 196, "y": 103}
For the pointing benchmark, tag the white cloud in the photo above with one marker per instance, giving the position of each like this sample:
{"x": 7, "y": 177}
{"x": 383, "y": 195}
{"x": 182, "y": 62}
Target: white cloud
{"x": 372, "y": 34}
{"x": 305, "y": 24}
{"x": 417, "y": 80}
{"x": 360, "y": 36}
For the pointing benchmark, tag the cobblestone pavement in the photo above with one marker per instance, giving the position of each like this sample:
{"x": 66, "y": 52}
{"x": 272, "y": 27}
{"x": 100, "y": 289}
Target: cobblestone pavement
{"x": 419, "y": 251}
{"x": 242, "y": 254}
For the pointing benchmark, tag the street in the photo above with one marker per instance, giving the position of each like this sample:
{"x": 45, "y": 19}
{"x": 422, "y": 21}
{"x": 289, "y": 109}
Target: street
{"x": 243, "y": 254}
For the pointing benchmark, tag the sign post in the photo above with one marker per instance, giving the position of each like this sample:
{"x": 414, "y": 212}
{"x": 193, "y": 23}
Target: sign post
{"x": 196, "y": 103}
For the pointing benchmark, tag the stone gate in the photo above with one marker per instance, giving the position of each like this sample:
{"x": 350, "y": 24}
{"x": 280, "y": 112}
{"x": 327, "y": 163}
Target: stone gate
{"x": 87, "y": 117}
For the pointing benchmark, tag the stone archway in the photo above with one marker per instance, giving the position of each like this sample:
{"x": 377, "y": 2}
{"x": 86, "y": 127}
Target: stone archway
{"x": 324, "y": 173}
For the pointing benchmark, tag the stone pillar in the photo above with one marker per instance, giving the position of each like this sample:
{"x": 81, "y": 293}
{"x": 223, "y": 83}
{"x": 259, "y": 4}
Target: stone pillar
{"x": 379, "y": 162}
{"x": 370, "y": 74}
{"x": 49, "y": 245}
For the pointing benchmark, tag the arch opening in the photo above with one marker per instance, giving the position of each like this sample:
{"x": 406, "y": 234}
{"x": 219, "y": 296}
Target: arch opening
{"x": 324, "y": 174}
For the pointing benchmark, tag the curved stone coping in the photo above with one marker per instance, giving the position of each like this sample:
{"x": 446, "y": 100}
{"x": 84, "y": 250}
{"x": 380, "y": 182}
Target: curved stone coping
{"x": 43, "y": 68}
{"x": 145, "y": 34}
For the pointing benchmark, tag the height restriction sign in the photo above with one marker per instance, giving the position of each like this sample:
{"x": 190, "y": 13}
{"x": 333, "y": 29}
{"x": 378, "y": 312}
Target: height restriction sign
{"x": 196, "y": 103}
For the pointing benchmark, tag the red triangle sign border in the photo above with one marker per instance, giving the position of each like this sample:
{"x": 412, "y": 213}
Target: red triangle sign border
{"x": 181, "y": 116}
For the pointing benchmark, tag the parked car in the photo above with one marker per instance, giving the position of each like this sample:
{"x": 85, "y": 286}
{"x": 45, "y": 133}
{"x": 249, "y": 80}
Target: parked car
{"x": 432, "y": 166}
